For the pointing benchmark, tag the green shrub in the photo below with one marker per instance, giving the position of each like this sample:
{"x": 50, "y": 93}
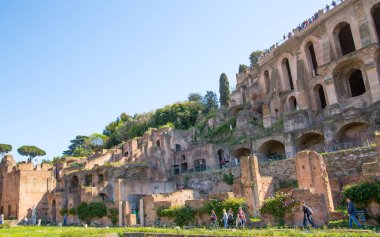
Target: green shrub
{"x": 183, "y": 215}
{"x": 362, "y": 193}
{"x": 218, "y": 206}
{"x": 86, "y": 212}
{"x": 113, "y": 214}
{"x": 5, "y": 226}
{"x": 279, "y": 205}
{"x": 63, "y": 211}
{"x": 228, "y": 178}
{"x": 72, "y": 211}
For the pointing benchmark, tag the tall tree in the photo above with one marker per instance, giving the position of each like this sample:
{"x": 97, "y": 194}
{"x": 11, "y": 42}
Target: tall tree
{"x": 4, "y": 149}
{"x": 111, "y": 130}
{"x": 243, "y": 68}
{"x": 77, "y": 143}
{"x": 194, "y": 97}
{"x": 210, "y": 101}
{"x": 254, "y": 57}
{"x": 31, "y": 151}
{"x": 224, "y": 90}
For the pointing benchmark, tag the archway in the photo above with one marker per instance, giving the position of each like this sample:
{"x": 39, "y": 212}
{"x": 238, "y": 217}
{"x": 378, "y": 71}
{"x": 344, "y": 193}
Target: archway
{"x": 272, "y": 150}
{"x": 238, "y": 153}
{"x": 375, "y": 12}
{"x": 88, "y": 180}
{"x": 344, "y": 36}
{"x": 293, "y": 106}
{"x": 103, "y": 197}
{"x": 74, "y": 183}
{"x": 320, "y": 97}
{"x": 287, "y": 73}
{"x": 312, "y": 57}
{"x": 221, "y": 158}
{"x": 54, "y": 212}
{"x": 311, "y": 141}
{"x": 267, "y": 81}
{"x": 356, "y": 82}
{"x": 355, "y": 133}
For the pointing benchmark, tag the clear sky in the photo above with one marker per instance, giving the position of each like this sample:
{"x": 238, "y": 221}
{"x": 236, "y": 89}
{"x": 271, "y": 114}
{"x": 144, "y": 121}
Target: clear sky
{"x": 69, "y": 67}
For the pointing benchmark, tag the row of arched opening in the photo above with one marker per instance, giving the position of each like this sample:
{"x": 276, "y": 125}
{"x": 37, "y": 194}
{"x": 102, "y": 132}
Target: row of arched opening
{"x": 88, "y": 180}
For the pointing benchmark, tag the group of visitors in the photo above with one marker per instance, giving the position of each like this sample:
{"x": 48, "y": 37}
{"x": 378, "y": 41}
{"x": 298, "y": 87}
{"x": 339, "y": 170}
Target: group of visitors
{"x": 301, "y": 26}
{"x": 228, "y": 219}
{"x": 308, "y": 212}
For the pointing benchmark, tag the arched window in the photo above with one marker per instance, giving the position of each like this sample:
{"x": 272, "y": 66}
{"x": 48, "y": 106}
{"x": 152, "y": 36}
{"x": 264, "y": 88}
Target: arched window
{"x": 267, "y": 81}
{"x": 320, "y": 96}
{"x": 345, "y": 38}
{"x": 74, "y": 182}
{"x": 287, "y": 73}
{"x": 88, "y": 180}
{"x": 312, "y": 58}
{"x": 356, "y": 83}
{"x": 376, "y": 19}
{"x": 293, "y": 106}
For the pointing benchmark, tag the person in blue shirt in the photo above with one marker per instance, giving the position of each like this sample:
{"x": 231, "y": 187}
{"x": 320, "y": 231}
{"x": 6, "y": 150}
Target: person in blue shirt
{"x": 351, "y": 212}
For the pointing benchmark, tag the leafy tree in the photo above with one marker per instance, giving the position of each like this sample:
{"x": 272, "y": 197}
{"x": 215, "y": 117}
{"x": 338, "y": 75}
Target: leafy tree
{"x": 195, "y": 97}
{"x": 82, "y": 152}
{"x": 78, "y": 142}
{"x": 210, "y": 101}
{"x": 254, "y": 57}
{"x": 111, "y": 130}
{"x": 31, "y": 151}
{"x": 88, "y": 211}
{"x": 243, "y": 68}
{"x": 5, "y": 148}
{"x": 362, "y": 193}
{"x": 55, "y": 160}
{"x": 224, "y": 90}
{"x": 96, "y": 141}
{"x": 135, "y": 127}
{"x": 113, "y": 214}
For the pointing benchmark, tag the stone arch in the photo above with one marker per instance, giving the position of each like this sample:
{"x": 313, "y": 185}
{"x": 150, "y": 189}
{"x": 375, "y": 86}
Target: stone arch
{"x": 74, "y": 182}
{"x": 350, "y": 79}
{"x": 88, "y": 180}
{"x": 353, "y": 132}
{"x": 54, "y": 212}
{"x": 344, "y": 38}
{"x": 272, "y": 150}
{"x": 292, "y": 104}
{"x": 267, "y": 80}
{"x": 311, "y": 57}
{"x": 320, "y": 96}
{"x": 220, "y": 157}
{"x": 311, "y": 141}
{"x": 236, "y": 110}
{"x": 243, "y": 151}
{"x": 375, "y": 14}
{"x": 287, "y": 74}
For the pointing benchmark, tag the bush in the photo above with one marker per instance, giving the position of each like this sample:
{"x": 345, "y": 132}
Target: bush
{"x": 72, "y": 211}
{"x": 228, "y": 178}
{"x": 5, "y": 226}
{"x": 182, "y": 215}
{"x": 218, "y": 206}
{"x": 86, "y": 212}
{"x": 113, "y": 214}
{"x": 63, "y": 211}
{"x": 362, "y": 193}
{"x": 279, "y": 205}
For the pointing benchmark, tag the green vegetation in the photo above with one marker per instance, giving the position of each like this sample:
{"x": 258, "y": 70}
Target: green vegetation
{"x": 31, "y": 151}
{"x": 218, "y": 206}
{"x": 5, "y": 148}
{"x": 363, "y": 193}
{"x": 254, "y": 57}
{"x": 30, "y": 231}
{"x": 195, "y": 97}
{"x": 113, "y": 214}
{"x": 228, "y": 178}
{"x": 243, "y": 68}
{"x": 224, "y": 90}
{"x": 278, "y": 206}
{"x": 291, "y": 183}
{"x": 210, "y": 102}
{"x": 183, "y": 215}
{"x": 89, "y": 211}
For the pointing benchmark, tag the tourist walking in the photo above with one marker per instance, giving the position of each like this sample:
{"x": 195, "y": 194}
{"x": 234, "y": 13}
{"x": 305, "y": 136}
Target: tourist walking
{"x": 214, "y": 220}
{"x": 307, "y": 212}
{"x": 230, "y": 218}
{"x": 1, "y": 219}
{"x": 26, "y": 220}
{"x": 241, "y": 217}
{"x": 351, "y": 212}
{"x": 225, "y": 219}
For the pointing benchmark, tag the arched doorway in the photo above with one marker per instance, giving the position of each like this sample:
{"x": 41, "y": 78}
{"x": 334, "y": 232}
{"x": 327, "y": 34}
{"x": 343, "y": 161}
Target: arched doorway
{"x": 287, "y": 73}
{"x": 311, "y": 141}
{"x": 356, "y": 83}
{"x": 293, "y": 106}
{"x": 376, "y": 19}
{"x": 344, "y": 36}
{"x": 54, "y": 212}
{"x": 88, "y": 180}
{"x": 221, "y": 158}
{"x": 267, "y": 81}
{"x": 320, "y": 96}
{"x": 354, "y": 134}
{"x": 272, "y": 150}
{"x": 312, "y": 57}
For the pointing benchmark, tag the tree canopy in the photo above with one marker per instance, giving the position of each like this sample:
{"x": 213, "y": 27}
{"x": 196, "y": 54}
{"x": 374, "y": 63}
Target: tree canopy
{"x": 31, "y": 151}
{"x": 5, "y": 148}
{"x": 224, "y": 90}
{"x": 195, "y": 97}
{"x": 254, "y": 57}
{"x": 210, "y": 101}
{"x": 88, "y": 211}
{"x": 243, "y": 68}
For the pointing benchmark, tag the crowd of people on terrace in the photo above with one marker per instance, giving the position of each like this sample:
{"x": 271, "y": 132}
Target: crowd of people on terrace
{"x": 302, "y": 26}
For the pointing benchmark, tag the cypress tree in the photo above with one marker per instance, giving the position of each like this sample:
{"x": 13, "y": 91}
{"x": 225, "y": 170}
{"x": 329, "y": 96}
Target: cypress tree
{"x": 224, "y": 90}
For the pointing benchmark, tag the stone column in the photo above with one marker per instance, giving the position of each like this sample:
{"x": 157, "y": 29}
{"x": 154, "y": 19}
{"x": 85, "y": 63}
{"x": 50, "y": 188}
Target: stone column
{"x": 373, "y": 80}
{"x": 330, "y": 90}
{"x": 121, "y": 219}
{"x": 290, "y": 148}
{"x": 251, "y": 182}
{"x": 267, "y": 120}
{"x": 142, "y": 220}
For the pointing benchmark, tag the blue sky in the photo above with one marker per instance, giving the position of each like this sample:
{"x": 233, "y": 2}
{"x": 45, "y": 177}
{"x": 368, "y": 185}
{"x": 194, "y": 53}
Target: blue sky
{"x": 69, "y": 67}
